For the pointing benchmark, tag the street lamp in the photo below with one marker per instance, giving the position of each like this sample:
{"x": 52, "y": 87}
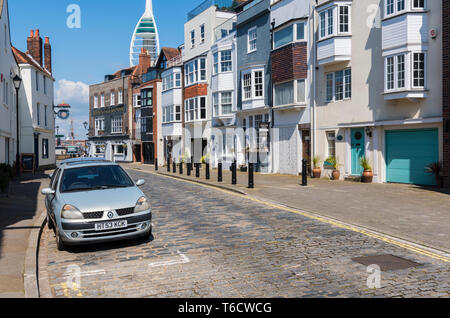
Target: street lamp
{"x": 85, "y": 124}
{"x": 17, "y": 81}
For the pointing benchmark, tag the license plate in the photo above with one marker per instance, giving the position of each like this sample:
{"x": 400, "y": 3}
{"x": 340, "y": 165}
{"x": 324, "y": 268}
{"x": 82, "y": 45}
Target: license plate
{"x": 111, "y": 225}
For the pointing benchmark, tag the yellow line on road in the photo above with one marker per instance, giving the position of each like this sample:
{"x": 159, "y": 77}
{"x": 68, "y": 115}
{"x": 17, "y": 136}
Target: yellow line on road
{"x": 342, "y": 225}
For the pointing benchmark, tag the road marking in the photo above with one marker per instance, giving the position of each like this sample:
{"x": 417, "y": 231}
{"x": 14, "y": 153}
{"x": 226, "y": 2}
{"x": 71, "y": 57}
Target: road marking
{"x": 357, "y": 229}
{"x": 89, "y": 273}
{"x": 184, "y": 260}
{"x": 74, "y": 288}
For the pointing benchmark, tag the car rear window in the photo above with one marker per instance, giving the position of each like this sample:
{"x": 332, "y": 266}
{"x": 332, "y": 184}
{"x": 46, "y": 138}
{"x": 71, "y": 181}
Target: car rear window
{"x": 94, "y": 178}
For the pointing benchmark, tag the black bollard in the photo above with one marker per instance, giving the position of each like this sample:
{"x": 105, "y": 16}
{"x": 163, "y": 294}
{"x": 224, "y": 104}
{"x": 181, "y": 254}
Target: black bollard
{"x": 188, "y": 169}
{"x": 197, "y": 170}
{"x": 233, "y": 173}
{"x": 304, "y": 174}
{"x": 181, "y": 167}
{"x": 156, "y": 164}
{"x": 168, "y": 165}
{"x": 174, "y": 168}
{"x": 208, "y": 176}
{"x": 219, "y": 173}
{"x": 251, "y": 176}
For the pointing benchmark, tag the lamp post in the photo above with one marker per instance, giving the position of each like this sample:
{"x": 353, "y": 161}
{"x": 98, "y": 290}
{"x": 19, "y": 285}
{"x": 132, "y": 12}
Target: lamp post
{"x": 17, "y": 81}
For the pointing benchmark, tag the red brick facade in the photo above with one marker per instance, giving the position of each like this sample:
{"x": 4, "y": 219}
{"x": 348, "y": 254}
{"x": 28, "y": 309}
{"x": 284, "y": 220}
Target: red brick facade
{"x": 290, "y": 62}
{"x": 196, "y": 90}
{"x": 446, "y": 87}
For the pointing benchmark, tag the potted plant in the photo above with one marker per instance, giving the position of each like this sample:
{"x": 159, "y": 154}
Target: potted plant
{"x": 334, "y": 162}
{"x": 317, "y": 172}
{"x": 367, "y": 176}
{"x": 436, "y": 169}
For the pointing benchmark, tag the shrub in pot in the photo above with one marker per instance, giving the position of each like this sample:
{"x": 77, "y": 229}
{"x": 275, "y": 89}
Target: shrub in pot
{"x": 367, "y": 176}
{"x": 317, "y": 172}
{"x": 334, "y": 162}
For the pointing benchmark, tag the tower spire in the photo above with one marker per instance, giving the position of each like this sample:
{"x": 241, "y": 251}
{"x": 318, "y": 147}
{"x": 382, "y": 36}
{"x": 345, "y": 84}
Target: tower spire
{"x": 148, "y": 7}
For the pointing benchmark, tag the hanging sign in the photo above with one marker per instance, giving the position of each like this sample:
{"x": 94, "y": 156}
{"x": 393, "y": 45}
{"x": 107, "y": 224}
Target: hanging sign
{"x": 63, "y": 114}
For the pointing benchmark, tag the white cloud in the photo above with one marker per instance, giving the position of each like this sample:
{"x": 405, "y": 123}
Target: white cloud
{"x": 72, "y": 92}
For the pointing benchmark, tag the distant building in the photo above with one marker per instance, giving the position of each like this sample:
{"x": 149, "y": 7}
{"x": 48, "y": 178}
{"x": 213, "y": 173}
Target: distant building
{"x": 145, "y": 36}
{"x": 37, "y": 120}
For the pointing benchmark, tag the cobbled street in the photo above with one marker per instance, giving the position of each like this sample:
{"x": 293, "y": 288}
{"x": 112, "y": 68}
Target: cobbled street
{"x": 208, "y": 243}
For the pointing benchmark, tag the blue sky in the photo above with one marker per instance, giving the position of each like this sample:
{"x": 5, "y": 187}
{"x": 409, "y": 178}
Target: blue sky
{"x": 101, "y": 46}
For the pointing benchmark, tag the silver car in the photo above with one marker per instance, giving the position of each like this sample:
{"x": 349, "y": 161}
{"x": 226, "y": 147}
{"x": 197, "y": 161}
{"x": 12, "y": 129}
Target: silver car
{"x": 93, "y": 201}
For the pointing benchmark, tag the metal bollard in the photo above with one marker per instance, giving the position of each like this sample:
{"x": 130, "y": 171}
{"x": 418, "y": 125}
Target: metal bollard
{"x": 156, "y": 164}
{"x": 197, "y": 170}
{"x": 251, "y": 176}
{"x": 304, "y": 173}
{"x": 208, "y": 176}
{"x": 233, "y": 173}
{"x": 188, "y": 169}
{"x": 181, "y": 167}
{"x": 219, "y": 173}
{"x": 168, "y": 165}
{"x": 174, "y": 167}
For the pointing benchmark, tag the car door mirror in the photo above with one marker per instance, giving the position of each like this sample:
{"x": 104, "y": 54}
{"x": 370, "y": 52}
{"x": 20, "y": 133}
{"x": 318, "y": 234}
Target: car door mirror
{"x": 48, "y": 191}
{"x": 140, "y": 182}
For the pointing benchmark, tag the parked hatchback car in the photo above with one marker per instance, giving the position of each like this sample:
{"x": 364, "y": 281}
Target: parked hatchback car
{"x": 93, "y": 201}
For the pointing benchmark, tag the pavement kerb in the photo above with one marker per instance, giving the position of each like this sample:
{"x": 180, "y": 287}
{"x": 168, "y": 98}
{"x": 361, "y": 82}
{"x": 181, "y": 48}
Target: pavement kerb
{"x": 415, "y": 247}
{"x": 30, "y": 279}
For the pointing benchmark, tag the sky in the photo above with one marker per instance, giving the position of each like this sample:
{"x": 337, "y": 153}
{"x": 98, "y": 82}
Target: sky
{"x": 83, "y": 56}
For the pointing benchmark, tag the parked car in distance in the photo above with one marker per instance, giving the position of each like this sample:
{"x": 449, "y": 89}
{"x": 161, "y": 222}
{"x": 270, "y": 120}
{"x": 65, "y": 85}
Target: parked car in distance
{"x": 91, "y": 201}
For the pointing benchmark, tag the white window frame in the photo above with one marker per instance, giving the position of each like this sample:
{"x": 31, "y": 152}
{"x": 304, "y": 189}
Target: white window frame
{"x": 95, "y": 101}
{"x": 193, "y": 68}
{"x": 137, "y": 100}
{"x": 324, "y": 21}
{"x": 294, "y": 84}
{"x": 193, "y": 109}
{"x": 202, "y": 33}
{"x": 112, "y": 101}
{"x": 226, "y": 62}
{"x": 192, "y": 39}
{"x": 344, "y": 85}
{"x": 218, "y": 103}
{"x": 252, "y": 38}
{"x": 294, "y": 39}
{"x": 395, "y": 7}
{"x": 102, "y": 100}
{"x": 253, "y": 84}
{"x": 99, "y": 124}
{"x": 413, "y": 7}
{"x": 120, "y": 97}
{"x": 424, "y": 70}
{"x": 116, "y": 124}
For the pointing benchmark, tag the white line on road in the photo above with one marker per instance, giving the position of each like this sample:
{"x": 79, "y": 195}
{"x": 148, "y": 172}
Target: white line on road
{"x": 88, "y": 273}
{"x": 184, "y": 260}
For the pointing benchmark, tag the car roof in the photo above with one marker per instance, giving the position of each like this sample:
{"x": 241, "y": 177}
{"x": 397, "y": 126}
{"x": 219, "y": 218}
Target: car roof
{"x": 87, "y": 164}
{"x": 75, "y": 161}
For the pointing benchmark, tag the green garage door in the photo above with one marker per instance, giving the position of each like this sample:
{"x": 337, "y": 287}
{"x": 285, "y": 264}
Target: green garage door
{"x": 407, "y": 154}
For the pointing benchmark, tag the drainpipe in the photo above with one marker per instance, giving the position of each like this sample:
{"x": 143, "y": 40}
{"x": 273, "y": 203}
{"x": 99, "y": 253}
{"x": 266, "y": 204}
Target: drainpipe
{"x": 314, "y": 74}
{"x": 272, "y": 95}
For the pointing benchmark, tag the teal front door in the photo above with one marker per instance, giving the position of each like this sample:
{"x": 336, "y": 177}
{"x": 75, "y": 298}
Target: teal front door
{"x": 358, "y": 150}
{"x": 408, "y": 152}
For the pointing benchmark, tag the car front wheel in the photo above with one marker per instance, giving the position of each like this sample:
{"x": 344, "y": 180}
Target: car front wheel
{"x": 61, "y": 246}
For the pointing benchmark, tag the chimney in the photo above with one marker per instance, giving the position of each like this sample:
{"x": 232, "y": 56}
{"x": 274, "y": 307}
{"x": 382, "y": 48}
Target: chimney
{"x": 35, "y": 46}
{"x": 30, "y": 42}
{"x": 48, "y": 54}
{"x": 145, "y": 61}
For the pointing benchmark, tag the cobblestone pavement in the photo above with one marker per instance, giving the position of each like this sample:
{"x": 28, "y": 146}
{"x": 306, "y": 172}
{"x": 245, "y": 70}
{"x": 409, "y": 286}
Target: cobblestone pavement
{"x": 212, "y": 244}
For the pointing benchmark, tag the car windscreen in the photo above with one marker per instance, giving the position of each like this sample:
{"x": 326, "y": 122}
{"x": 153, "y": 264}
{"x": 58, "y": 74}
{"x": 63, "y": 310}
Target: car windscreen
{"x": 94, "y": 178}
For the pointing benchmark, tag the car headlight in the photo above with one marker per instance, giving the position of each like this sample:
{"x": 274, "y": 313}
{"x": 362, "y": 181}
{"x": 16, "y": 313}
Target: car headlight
{"x": 141, "y": 205}
{"x": 70, "y": 212}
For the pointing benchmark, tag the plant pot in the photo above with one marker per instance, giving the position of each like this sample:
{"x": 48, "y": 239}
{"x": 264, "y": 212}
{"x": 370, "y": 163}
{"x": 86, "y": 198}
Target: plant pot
{"x": 367, "y": 176}
{"x": 317, "y": 173}
{"x": 336, "y": 174}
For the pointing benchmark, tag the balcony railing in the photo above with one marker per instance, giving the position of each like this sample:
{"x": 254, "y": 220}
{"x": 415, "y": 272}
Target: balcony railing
{"x": 220, "y": 4}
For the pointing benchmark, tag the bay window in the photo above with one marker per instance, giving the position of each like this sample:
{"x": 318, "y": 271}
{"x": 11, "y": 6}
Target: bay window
{"x": 171, "y": 81}
{"x": 342, "y": 13}
{"x": 398, "y": 6}
{"x": 290, "y": 93}
{"x": 225, "y": 61}
{"x": 222, "y": 103}
{"x": 195, "y": 71}
{"x": 195, "y": 108}
{"x": 405, "y": 71}
{"x": 171, "y": 113}
{"x": 289, "y": 34}
{"x": 419, "y": 70}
